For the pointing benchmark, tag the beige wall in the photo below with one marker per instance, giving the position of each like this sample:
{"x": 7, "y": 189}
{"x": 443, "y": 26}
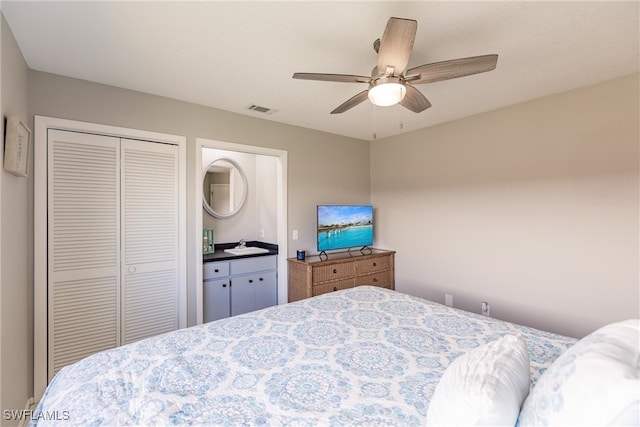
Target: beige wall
{"x": 259, "y": 211}
{"x": 310, "y": 180}
{"x": 533, "y": 208}
{"x": 16, "y": 278}
{"x": 308, "y": 151}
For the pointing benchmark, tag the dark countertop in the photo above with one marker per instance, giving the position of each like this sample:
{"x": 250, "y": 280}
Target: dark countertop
{"x": 221, "y": 255}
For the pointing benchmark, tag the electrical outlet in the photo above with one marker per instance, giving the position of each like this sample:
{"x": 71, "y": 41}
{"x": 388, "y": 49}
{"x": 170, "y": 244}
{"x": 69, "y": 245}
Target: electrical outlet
{"x": 448, "y": 300}
{"x": 294, "y": 235}
{"x": 486, "y": 309}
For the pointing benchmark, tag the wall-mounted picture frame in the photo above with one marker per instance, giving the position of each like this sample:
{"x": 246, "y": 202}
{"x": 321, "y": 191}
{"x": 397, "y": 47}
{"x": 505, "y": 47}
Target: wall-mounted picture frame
{"x": 17, "y": 147}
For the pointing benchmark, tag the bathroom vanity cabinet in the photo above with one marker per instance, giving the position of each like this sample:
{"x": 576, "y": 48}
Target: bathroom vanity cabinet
{"x": 237, "y": 286}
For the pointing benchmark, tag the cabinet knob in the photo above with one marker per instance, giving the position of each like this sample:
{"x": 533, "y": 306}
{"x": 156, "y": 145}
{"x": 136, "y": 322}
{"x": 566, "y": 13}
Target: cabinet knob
{"x": 335, "y": 288}
{"x": 216, "y": 271}
{"x": 250, "y": 280}
{"x": 261, "y": 279}
{"x": 374, "y": 264}
{"x": 335, "y": 271}
{"x": 224, "y": 285}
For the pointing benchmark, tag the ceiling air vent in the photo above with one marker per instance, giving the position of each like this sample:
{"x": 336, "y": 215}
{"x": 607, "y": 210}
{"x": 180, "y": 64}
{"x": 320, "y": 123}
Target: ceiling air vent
{"x": 260, "y": 109}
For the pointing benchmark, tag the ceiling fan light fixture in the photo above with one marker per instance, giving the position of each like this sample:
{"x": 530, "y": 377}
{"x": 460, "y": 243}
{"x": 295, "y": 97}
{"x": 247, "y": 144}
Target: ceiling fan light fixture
{"x": 386, "y": 91}
{"x": 390, "y": 80}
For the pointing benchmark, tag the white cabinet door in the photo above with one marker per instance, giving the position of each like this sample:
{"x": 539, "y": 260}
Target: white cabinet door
{"x": 242, "y": 295}
{"x": 216, "y": 299}
{"x": 265, "y": 290}
{"x": 83, "y": 246}
{"x": 253, "y": 292}
{"x": 149, "y": 216}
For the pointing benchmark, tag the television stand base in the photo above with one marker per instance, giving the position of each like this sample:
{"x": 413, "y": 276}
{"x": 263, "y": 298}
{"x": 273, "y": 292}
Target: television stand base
{"x": 363, "y": 250}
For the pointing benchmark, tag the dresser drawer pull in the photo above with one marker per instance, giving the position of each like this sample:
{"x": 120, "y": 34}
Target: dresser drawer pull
{"x": 374, "y": 264}
{"x": 335, "y": 288}
{"x": 261, "y": 279}
{"x": 375, "y": 280}
{"x": 216, "y": 271}
{"x": 335, "y": 271}
{"x": 224, "y": 285}
{"x": 250, "y": 280}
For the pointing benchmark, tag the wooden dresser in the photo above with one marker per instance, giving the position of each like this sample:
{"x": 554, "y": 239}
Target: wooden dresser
{"x": 341, "y": 270}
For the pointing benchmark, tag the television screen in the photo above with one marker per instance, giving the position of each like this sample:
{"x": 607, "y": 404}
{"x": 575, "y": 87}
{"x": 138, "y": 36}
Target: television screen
{"x": 344, "y": 226}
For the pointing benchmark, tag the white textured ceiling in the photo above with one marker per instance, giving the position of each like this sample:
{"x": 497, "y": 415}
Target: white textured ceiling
{"x": 229, "y": 55}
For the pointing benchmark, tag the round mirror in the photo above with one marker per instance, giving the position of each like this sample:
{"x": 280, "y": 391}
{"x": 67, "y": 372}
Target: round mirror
{"x": 224, "y": 188}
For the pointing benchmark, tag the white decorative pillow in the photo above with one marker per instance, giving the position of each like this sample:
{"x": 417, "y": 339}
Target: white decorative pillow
{"x": 484, "y": 387}
{"x": 595, "y": 382}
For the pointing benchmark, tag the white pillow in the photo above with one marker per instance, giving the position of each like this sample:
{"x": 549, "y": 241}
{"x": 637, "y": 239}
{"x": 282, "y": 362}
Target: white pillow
{"x": 484, "y": 387}
{"x": 595, "y": 382}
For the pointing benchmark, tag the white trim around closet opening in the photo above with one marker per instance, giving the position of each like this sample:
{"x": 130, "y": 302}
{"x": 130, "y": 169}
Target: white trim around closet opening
{"x": 283, "y": 248}
{"x": 41, "y": 125}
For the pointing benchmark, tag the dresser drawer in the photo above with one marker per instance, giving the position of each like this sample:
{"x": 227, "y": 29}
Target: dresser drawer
{"x": 215, "y": 270}
{"x": 331, "y": 272}
{"x": 372, "y": 265}
{"x": 332, "y": 286}
{"x": 382, "y": 279}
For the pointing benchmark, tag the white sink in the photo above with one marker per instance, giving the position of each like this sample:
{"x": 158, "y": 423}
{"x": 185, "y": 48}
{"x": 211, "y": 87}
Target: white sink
{"x": 249, "y": 250}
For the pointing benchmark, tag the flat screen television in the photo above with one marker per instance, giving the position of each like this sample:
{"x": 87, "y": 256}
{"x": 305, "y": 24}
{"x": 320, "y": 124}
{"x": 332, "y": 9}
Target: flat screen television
{"x": 344, "y": 227}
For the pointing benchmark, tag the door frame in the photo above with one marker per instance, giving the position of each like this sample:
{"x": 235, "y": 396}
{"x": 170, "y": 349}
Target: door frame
{"x": 281, "y": 213}
{"x": 41, "y": 126}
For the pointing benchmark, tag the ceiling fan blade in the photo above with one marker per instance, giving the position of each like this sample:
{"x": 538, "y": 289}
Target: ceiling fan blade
{"x": 414, "y": 100}
{"x": 396, "y": 44}
{"x": 451, "y": 69}
{"x": 351, "y": 102}
{"x": 344, "y": 78}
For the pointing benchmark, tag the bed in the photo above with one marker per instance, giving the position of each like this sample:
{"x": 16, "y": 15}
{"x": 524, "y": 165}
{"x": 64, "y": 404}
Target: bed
{"x": 362, "y": 356}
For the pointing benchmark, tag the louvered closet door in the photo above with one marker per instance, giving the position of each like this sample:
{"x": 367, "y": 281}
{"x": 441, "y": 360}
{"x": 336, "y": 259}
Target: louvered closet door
{"x": 83, "y": 246}
{"x": 150, "y": 239}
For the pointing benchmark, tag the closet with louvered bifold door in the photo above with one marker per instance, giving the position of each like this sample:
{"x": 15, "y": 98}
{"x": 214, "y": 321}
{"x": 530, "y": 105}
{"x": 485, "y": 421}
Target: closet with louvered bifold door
{"x": 113, "y": 230}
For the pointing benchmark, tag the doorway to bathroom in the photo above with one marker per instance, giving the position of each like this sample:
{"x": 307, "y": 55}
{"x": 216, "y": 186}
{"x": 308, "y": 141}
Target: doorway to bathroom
{"x": 263, "y": 216}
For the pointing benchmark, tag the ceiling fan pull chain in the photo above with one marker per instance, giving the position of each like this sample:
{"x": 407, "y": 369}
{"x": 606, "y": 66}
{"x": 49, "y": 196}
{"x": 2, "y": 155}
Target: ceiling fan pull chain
{"x": 374, "y": 122}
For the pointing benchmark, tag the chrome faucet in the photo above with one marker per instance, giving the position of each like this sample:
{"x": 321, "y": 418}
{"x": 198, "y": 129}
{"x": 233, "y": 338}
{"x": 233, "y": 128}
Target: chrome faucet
{"x": 241, "y": 244}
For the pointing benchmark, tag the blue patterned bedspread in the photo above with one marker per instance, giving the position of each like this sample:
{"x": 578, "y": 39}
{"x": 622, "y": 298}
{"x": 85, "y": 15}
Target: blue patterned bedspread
{"x": 362, "y": 356}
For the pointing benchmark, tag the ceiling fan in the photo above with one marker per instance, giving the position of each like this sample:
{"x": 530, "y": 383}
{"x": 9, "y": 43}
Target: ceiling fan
{"x": 389, "y": 83}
